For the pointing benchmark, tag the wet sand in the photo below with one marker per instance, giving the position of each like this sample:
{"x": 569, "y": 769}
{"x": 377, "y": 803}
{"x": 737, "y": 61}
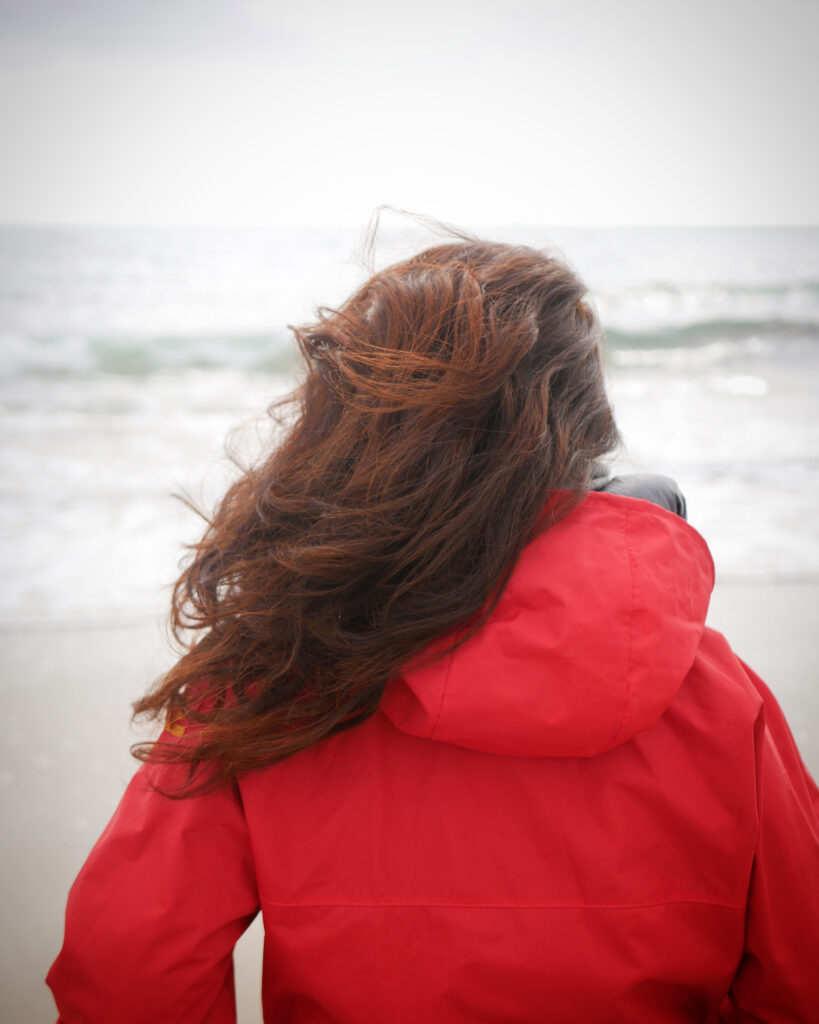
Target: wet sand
{"x": 64, "y": 759}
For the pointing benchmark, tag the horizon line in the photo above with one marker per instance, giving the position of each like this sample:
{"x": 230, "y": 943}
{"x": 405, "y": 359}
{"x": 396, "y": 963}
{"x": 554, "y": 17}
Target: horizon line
{"x": 266, "y": 225}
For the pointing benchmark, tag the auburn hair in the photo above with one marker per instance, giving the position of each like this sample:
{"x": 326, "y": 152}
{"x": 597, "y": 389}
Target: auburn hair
{"x": 450, "y": 410}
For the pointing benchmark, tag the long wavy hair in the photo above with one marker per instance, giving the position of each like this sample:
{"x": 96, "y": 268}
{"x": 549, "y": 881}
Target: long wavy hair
{"x": 450, "y": 410}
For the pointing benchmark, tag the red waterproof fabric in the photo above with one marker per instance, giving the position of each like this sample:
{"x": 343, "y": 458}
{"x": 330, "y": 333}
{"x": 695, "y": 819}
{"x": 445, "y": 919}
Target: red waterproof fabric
{"x": 590, "y": 812}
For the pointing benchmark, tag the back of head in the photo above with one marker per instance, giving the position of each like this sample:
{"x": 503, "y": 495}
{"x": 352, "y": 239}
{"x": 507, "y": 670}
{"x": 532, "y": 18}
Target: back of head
{"x": 451, "y": 408}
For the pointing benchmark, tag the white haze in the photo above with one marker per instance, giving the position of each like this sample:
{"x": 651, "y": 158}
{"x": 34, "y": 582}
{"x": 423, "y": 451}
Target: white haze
{"x": 261, "y": 112}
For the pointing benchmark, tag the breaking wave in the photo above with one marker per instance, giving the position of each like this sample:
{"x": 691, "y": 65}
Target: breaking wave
{"x": 708, "y": 331}
{"x": 130, "y": 355}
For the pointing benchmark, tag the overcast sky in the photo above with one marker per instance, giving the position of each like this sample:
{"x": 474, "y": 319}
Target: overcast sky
{"x": 263, "y": 112}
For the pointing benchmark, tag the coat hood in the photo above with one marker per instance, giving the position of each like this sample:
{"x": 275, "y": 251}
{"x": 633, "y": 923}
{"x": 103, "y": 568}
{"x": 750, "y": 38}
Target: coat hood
{"x": 591, "y": 639}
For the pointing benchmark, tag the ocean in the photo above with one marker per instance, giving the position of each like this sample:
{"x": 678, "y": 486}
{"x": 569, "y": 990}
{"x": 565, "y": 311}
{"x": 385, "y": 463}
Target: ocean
{"x": 129, "y": 355}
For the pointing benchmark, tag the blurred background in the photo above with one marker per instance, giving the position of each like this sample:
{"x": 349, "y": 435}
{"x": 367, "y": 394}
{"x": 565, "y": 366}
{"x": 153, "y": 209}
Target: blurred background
{"x": 182, "y": 180}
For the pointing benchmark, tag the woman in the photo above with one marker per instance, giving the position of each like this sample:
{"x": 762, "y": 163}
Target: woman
{"x": 451, "y": 719}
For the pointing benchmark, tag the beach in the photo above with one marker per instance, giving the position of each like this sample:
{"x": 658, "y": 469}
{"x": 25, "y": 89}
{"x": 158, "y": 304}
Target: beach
{"x": 65, "y": 739}
{"x": 66, "y": 734}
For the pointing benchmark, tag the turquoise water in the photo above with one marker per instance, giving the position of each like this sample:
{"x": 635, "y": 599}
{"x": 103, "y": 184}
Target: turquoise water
{"x": 127, "y": 355}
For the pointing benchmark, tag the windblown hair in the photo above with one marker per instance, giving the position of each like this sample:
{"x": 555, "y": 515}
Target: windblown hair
{"x": 451, "y": 410}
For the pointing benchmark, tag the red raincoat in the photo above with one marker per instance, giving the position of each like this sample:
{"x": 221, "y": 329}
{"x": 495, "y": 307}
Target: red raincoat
{"x": 590, "y": 812}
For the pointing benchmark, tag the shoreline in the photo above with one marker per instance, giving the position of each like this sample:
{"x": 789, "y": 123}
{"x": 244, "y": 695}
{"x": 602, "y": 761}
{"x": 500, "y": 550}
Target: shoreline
{"x": 90, "y": 622}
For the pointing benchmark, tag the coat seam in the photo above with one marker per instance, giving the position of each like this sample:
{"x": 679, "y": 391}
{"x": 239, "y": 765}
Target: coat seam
{"x": 629, "y": 627}
{"x": 512, "y": 906}
{"x": 444, "y": 688}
